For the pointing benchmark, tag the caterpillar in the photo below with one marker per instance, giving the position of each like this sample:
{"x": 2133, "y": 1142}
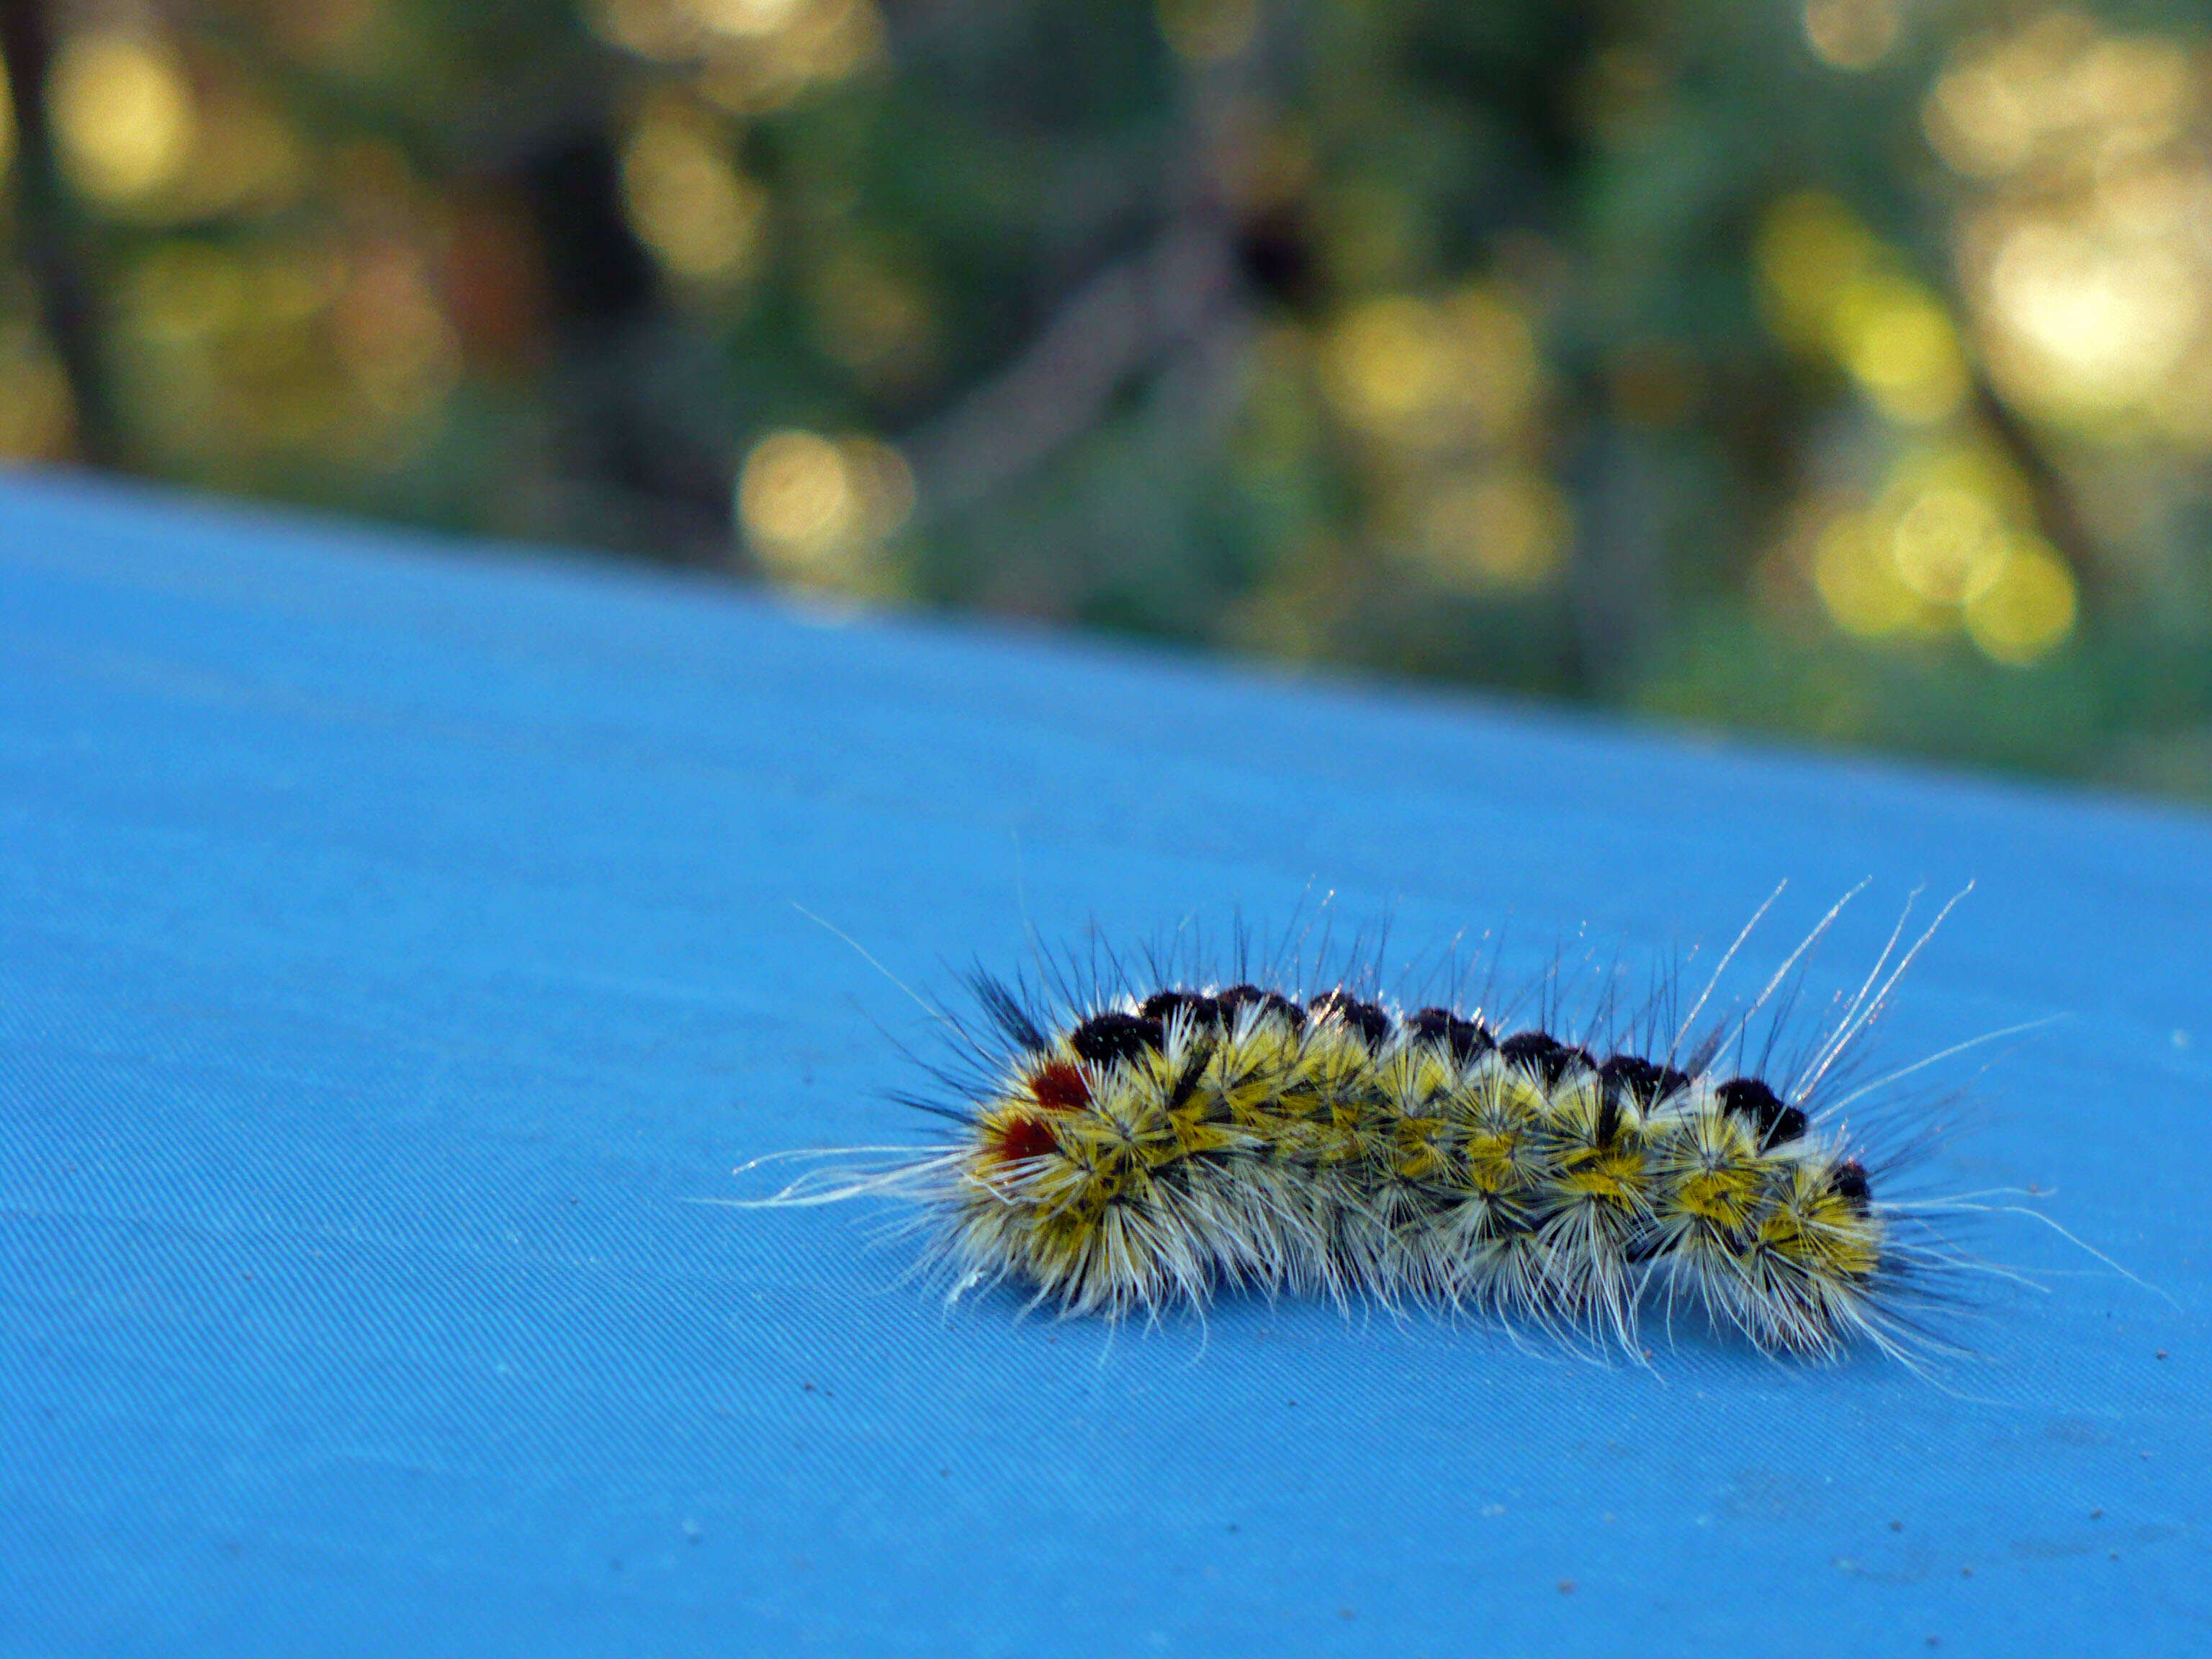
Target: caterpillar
{"x": 1123, "y": 1143}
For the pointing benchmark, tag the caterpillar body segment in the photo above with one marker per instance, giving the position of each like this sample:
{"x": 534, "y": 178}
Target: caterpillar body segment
{"x": 1154, "y": 1152}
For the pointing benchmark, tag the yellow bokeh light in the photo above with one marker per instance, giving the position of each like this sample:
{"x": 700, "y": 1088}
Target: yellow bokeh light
{"x": 2092, "y": 321}
{"x": 747, "y": 19}
{"x": 702, "y": 218}
{"x": 1980, "y": 120}
{"x": 228, "y": 354}
{"x": 123, "y": 110}
{"x": 661, "y": 29}
{"x": 793, "y": 491}
{"x": 1852, "y": 34}
{"x": 1503, "y": 531}
{"x": 1897, "y": 340}
{"x": 2058, "y": 92}
{"x": 1809, "y": 249}
{"x": 1857, "y": 581}
{"x": 1828, "y": 285}
{"x": 1387, "y": 359}
{"x": 2082, "y": 250}
{"x": 1440, "y": 373}
{"x": 1949, "y": 544}
{"x": 1975, "y": 467}
{"x": 815, "y": 509}
{"x": 753, "y": 55}
{"x": 2028, "y": 612}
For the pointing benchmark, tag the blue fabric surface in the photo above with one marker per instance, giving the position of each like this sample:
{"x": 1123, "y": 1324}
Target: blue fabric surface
{"x": 391, "y": 944}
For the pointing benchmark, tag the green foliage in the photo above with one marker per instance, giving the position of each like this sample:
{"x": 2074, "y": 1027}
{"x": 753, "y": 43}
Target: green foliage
{"x": 1838, "y": 371}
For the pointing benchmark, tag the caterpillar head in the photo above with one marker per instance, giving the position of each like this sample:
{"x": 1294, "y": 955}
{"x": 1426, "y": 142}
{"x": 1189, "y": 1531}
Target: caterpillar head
{"x": 1066, "y": 1157}
{"x": 1074, "y": 1129}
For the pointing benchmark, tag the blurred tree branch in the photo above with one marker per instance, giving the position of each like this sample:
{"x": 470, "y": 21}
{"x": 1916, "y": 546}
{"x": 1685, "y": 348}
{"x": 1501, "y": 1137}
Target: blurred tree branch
{"x": 2054, "y": 508}
{"x": 1122, "y": 321}
{"x": 51, "y": 234}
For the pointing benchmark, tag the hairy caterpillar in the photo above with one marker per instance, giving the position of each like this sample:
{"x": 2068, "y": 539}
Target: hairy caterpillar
{"x": 1124, "y": 1143}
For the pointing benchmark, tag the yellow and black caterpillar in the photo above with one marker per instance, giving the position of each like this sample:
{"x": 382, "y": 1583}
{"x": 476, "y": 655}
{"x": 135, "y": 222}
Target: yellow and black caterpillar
{"x": 1147, "y": 1154}
{"x": 1121, "y": 1145}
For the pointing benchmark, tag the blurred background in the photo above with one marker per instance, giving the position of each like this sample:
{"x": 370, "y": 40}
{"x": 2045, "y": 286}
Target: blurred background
{"x": 1838, "y": 369}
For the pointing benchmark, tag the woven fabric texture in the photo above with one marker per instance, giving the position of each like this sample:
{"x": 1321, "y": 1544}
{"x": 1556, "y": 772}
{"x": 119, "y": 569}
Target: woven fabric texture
{"x": 395, "y": 941}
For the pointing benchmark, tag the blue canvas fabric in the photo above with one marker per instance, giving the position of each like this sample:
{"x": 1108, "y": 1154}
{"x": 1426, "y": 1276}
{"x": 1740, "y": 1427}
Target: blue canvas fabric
{"x": 395, "y": 941}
